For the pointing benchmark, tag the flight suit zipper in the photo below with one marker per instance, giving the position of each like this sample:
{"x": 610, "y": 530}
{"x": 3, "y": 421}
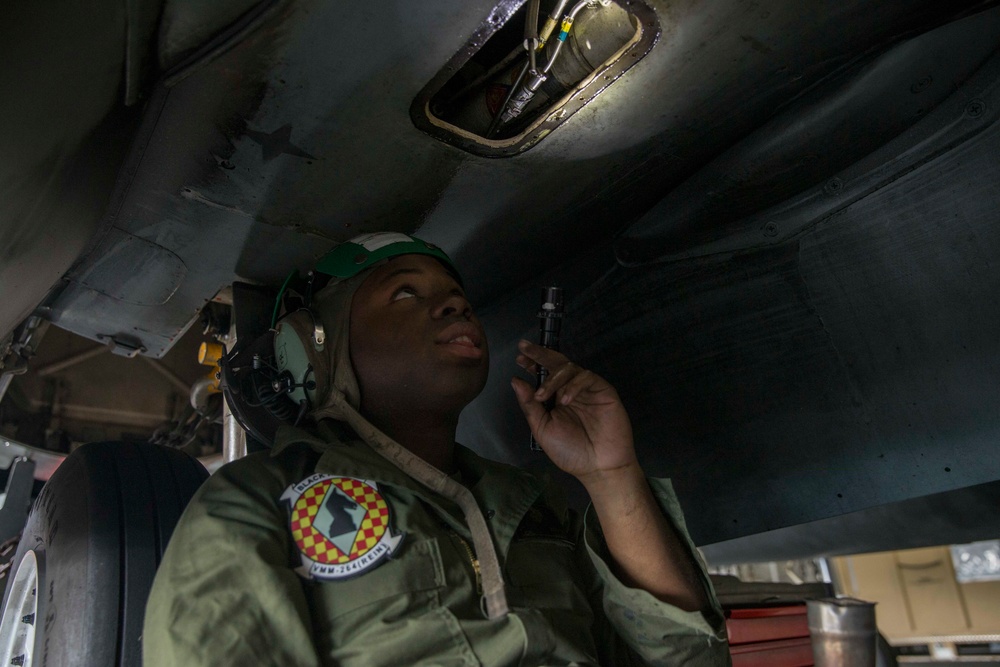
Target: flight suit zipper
{"x": 473, "y": 560}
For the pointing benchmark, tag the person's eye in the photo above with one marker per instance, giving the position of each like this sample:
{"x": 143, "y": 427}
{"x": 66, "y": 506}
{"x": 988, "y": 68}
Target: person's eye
{"x": 404, "y": 292}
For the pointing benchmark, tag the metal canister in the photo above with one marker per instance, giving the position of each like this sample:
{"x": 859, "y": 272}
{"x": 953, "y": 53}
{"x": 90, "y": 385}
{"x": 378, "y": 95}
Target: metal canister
{"x": 843, "y": 632}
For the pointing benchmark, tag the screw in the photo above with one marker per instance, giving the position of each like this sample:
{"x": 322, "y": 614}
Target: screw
{"x": 833, "y": 186}
{"x": 975, "y": 108}
{"x": 922, "y": 85}
{"x": 770, "y": 229}
{"x": 29, "y": 619}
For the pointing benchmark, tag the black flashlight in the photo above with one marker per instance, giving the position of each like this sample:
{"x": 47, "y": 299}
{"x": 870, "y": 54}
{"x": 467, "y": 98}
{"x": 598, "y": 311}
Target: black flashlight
{"x": 550, "y": 316}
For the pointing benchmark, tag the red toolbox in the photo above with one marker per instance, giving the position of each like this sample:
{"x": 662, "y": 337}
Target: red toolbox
{"x": 779, "y": 653}
{"x": 769, "y": 636}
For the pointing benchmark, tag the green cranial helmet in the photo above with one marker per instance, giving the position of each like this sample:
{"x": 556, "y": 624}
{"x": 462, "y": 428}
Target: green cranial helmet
{"x": 354, "y": 256}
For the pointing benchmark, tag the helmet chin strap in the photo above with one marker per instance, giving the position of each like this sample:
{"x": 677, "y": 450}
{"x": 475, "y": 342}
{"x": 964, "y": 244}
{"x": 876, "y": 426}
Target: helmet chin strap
{"x": 494, "y": 596}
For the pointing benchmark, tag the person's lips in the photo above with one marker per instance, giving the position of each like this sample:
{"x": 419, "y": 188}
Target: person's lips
{"x": 463, "y": 339}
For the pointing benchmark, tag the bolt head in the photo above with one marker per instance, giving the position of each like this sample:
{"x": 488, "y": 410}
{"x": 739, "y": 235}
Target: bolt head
{"x": 975, "y": 108}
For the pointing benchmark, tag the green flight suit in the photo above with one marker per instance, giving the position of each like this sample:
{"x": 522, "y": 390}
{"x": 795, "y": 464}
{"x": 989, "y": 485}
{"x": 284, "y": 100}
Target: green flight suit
{"x": 227, "y": 592}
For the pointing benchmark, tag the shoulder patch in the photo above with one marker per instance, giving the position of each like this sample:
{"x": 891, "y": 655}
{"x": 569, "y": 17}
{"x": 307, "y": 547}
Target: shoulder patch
{"x": 341, "y": 526}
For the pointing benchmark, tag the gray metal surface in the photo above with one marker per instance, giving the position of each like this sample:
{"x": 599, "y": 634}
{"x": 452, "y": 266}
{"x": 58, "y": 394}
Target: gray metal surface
{"x": 843, "y": 632}
{"x": 67, "y": 134}
{"x": 234, "y": 438}
{"x": 951, "y": 517}
{"x": 849, "y": 365}
{"x": 732, "y": 592}
{"x": 869, "y": 123}
{"x": 223, "y": 184}
{"x": 17, "y": 498}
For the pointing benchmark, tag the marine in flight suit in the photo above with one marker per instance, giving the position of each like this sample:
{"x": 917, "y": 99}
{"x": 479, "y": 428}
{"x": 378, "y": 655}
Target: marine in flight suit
{"x": 342, "y": 546}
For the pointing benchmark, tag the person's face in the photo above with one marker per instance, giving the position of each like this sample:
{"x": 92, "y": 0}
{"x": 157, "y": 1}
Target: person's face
{"x": 414, "y": 341}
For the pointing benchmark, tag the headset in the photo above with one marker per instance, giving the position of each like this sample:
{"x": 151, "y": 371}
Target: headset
{"x": 271, "y": 378}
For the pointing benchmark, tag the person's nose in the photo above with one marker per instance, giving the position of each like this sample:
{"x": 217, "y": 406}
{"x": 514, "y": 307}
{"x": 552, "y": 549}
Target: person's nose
{"x": 452, "y": 304}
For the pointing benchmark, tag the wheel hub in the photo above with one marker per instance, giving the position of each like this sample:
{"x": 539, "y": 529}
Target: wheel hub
{"x": 17, "y": 627}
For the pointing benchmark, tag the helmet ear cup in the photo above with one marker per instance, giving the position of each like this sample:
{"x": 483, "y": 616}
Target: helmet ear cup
{"x": 300, "y": 356}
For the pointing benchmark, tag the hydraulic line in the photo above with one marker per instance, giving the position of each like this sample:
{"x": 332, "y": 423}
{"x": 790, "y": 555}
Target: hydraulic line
{"x": 510, "y": 93}
{"x": 513, "y": 107}
{"x": 567, "y": 25}
{"x": 531, "y": 20}
{"x": 531, "y": 32}
{"x": 532, "y": 44}
{"x": 551, "y": 22}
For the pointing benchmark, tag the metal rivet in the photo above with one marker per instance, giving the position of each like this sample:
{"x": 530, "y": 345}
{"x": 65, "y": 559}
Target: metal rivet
{"x": 360, "y": 259}
{"x": 922, "y": 85}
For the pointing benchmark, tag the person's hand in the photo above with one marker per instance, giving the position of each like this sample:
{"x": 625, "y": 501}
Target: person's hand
{"x": 587, "y": 434}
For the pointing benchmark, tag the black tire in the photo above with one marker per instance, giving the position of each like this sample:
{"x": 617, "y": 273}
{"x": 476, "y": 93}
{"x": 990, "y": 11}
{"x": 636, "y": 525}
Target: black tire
{"x": 99, "y": 529}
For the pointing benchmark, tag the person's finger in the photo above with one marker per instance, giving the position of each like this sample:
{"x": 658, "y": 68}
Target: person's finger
{"x": 527, "y": 364}
{"x": 582, "y": 381}
{"x": 551, "y": 359}
{"x": 534, "y": 411}
{"x": 557, "y": 380}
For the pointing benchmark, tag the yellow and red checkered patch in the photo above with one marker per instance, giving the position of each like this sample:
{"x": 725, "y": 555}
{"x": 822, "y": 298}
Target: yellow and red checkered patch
{"x": 313, "y": 544}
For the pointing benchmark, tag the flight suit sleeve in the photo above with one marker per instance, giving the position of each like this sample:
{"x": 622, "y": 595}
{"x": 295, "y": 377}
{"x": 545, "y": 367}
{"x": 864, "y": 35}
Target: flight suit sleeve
{"x": 224, "y": 593}
{"x": 639, "y": 629}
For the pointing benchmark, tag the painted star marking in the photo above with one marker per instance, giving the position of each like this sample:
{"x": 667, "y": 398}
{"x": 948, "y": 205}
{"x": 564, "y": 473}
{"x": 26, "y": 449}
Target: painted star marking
{"x": 277, "y": 143}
